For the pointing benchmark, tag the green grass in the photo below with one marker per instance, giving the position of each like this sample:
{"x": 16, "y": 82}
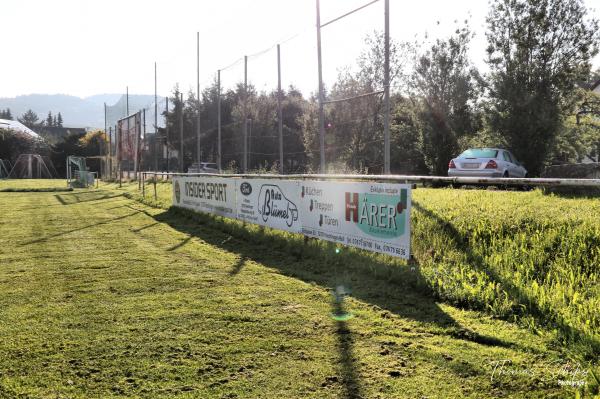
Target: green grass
{"x": 102, "y": 296}
{"x": 32, "y": 184}
{"x": 521, "y": 256}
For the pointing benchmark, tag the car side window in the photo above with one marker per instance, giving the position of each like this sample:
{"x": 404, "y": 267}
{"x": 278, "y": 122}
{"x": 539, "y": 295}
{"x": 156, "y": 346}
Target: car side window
{"x": 506, "y": 156}
{"x": 513, "y": 159}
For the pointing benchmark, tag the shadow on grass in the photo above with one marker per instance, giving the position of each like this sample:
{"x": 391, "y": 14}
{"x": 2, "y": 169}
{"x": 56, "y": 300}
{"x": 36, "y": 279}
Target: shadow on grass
{"x": 180, "y": 244}
{"x": 392, "y": 288}
{"x": 76, "y": 198}
{"x": 345, "y": 343}
{"x": 543, "y": 316}
{"x": 238, "y": 266}
{"x": 62, "y": 233}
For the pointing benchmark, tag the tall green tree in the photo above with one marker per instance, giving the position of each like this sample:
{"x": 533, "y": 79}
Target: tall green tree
{"x": 6, "y": 114}
{"x": 443, "y": 85}
{"x": 49, "y": 119}
{"x": 538, "y": 50}
{"x": 59, "y": 120}
{"x": 29, "y": 119}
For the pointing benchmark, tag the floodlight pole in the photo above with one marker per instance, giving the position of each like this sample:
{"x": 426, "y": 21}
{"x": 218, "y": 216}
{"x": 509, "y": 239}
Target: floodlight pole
{"x": 136, "y": 157}
{"x": 181, "y": 132}
{"x": 167, "y": 131}
{"x": 105, "y": 132}
{"x": 386, "y": 88}
{"x": 219, "y": 119}
{"x": 119, "y": 149}
{"x": 279, "y": 111}
{"x": 155, "y": 122}
{"x": 144, "y": 138}
{"x": 198, "y": 97}
{"x": 245, "y": 126}
{"x": 110, "y": 152}
{"x": 321, "y": 99}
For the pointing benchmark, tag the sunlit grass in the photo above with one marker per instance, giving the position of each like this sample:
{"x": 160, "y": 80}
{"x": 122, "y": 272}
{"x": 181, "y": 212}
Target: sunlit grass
{"x": 524, "y": 256}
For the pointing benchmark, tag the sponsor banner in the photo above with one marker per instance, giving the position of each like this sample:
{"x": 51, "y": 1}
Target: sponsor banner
{"x": 204, "y": 193}
{"x": 269, "y": 202}
{"x": 371, "y": 216}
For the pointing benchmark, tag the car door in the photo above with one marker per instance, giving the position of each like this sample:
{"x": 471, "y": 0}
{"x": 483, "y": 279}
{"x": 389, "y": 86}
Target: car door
{"x": 519, "y": 171}
{"x": 508, "y": 163}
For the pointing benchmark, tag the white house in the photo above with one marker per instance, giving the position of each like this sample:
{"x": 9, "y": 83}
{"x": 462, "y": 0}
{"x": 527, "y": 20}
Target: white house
{"x": 18, "y": 126}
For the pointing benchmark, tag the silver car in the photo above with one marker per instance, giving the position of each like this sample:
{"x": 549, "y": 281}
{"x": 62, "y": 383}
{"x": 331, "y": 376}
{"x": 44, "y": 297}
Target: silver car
{"x": 486, "y": 162}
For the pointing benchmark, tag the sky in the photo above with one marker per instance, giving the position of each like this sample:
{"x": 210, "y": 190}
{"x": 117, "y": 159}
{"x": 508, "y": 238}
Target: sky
{"x": 84, "y": 48}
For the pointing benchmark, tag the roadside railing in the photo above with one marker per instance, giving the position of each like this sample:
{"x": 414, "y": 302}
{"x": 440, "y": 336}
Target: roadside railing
{"x": 433, "y": 180}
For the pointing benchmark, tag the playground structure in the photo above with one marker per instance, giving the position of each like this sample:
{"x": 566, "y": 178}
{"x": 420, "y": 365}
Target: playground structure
{"x": 32, "y": 166}
{"x": 5, "y": 168}
{"x": 78, "y": 175}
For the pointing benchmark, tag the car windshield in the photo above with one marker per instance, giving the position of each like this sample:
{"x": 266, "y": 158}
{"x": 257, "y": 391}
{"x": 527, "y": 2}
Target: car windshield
{"x": 479, "y": 153}
{"x": 210, "y": 165}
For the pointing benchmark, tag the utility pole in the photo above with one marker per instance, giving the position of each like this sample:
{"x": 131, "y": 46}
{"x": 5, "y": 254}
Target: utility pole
{"x": 127, "y": 100}
{"x": 156, "y": 146}
{"x": 219, "y": 118}
{"x": 279, "y": 111}
{"x": 321, "y": 99}
{"x": 198, "y": 98}
{"x": 386, "y": 88}
{"x": 245, "y": 161}
{"x": 181, "y": 133}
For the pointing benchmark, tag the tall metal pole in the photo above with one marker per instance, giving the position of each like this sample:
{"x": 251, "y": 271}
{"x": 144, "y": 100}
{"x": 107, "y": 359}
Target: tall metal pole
{"x": 279, "y": 111}
{"x": 110, "y": 155}
{"x": 245, "y": 161}
{"x": 386, "y": 88}
{"x": 219, "y": 119}
{"x": 156, "y": 146}
{"x": 167, "y": 132}
{"x": 181, "y": 134}
{"x": 105, "y": 134}
{"x": 127, "y": 100}
{"x": 141, "y": 144}
{"x": 119, "y": 149}
{"x": 198, "y": 97}
{"x": 321, "y": 116}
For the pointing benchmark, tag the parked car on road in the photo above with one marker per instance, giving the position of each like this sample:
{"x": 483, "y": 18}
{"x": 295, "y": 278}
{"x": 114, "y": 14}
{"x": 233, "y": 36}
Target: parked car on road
{"x": 486, "y": 162}
{"x": 203, "y": 167}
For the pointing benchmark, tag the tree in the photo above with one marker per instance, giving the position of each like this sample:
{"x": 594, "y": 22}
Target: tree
{"x": 579, "y": 135}
{"x": 538, "y": 50}
{"x": 29, "y": 119}
{"x": 354, "y": 126}
{"x": 6, "y": 114}
{"x": 14, "y": 142}
{"x": 59, "y": 120}
{"x": 443, "y": 85}
{"x": 49, "y": 120}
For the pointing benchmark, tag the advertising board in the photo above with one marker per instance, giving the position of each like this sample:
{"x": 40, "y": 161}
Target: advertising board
{"x": 207, "y": 194}
{"x": 371, "y": 216}
{"x": 269, "y": 202}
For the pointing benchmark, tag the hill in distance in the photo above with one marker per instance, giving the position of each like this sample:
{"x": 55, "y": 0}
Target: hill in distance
{"x": 76, "y": 111}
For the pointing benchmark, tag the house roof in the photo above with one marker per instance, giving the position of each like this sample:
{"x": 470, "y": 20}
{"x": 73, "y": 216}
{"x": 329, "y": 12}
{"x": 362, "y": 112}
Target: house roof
{"x": 18, "y": 126}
